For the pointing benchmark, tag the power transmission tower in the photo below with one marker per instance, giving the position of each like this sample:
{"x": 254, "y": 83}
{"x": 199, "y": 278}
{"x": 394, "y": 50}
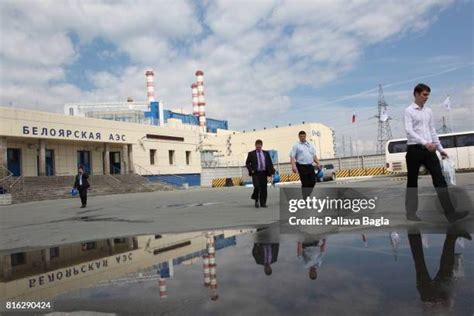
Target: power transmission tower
{"x": 444, "y": 129}
{"x": 384, "y": 132}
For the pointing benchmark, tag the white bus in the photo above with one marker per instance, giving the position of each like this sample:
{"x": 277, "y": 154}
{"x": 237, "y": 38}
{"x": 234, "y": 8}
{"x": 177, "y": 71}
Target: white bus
{"x": 459, "y": 146}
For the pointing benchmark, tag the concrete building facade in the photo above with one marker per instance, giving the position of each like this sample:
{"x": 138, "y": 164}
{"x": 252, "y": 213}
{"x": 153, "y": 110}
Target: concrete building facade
{"x": 36, "y": 143}
{"x": 229, "y": 148}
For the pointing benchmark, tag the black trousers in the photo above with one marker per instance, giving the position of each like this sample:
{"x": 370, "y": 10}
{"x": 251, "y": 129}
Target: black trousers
{"x": 439, "y": 288}
{"x": 308, "y": 179}
{"x": 415, "y": 157}
{"x": 259, "y": 180}
{"x": 83, "y": 195}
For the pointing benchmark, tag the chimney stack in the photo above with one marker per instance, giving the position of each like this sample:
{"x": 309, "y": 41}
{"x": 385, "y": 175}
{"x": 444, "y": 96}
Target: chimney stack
{"x": 150, "y": 85}
{"x": 194, "y": 88}
{"x": 200, "y": 95}
{"x": 162, "y": 286}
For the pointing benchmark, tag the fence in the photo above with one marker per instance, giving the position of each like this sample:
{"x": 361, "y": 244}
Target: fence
{"x": 345, "y": 167}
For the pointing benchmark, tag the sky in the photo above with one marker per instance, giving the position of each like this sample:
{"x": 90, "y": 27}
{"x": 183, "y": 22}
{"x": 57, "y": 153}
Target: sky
{"x": 265, "y": 63}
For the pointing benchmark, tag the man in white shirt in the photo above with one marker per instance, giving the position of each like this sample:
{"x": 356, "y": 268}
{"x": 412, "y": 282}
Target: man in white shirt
{"x": 311, "y": 256}
{"x": 302, "y": 156}
{"x": 422, "y": 143}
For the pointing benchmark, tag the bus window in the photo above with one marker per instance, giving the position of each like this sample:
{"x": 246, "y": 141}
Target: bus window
{"x": 447, "y": 141}
{"x": 397, "y": 147}
{"x": 465, "y": 140}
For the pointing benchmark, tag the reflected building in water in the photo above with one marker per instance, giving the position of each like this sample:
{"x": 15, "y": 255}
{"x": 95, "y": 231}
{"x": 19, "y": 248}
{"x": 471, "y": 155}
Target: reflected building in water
{"x": 47, "y": 272}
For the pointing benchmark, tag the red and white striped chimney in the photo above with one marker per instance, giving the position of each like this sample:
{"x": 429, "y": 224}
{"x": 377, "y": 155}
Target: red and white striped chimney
{"x": 200, "y": 94}
{"x": 162, "y": 285}
{"x": 211, "y": 251}
{"x": 194, "y": 88}
{"x": 150, "y": 85}
{"x": 207, "y": 275}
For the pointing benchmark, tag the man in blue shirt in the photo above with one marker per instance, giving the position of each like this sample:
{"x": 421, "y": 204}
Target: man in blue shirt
{"x": 302, "y": 156}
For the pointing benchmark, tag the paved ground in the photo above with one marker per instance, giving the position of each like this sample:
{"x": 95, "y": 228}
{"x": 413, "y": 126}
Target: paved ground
{"x": 45, "y": 223}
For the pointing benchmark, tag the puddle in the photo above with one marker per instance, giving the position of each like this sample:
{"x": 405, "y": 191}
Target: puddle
{"x": 249, "y": 272}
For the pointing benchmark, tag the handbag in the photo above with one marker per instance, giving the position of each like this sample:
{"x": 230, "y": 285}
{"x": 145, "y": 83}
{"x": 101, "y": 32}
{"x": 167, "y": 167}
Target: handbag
{"x": 74, "y": 192}
{"x": 449, "y": 171}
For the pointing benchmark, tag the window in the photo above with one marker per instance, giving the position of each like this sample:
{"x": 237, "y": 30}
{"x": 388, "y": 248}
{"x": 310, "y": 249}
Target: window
{"x": 116, "y": 157}
{"x": 188, "y": 158}
{"x": 18, "y": 258}
{"x": 163, "y": 137}
{"x": 465, "y": 140}
{"x": 329, "y": 166}
{"x": 171, "y": 157}
{"x": 53, "y": 252}
{"x": 397, "y": 147}
{"x": 152, "y": 156}
{"x": 158, "y": 236}
{"x": 88, "y": 246}
{"x": 120, "y": 240}
{"x": 71, "y": 111}
{"x": 447, "y": 141}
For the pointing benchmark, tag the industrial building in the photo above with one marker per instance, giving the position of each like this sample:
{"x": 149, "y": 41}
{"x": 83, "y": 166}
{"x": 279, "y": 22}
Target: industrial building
{"x": 151, "y": 112}
{"x": 138, "y": 137}
{"x": 46, "y": 144}
{"x": 229, "y": 148}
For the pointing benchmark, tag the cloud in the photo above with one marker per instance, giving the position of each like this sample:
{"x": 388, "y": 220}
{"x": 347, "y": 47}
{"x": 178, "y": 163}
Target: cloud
{"x": 253, "y": 53}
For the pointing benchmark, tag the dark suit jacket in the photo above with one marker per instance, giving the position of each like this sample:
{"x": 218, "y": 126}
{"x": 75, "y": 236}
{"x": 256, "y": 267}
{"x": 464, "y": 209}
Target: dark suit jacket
{"x": 259, "y": 253}
{"x": 85, "y": 182}
{"x": 252, "y": 163}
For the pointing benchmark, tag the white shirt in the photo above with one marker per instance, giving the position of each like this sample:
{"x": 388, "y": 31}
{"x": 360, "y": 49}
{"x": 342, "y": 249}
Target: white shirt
{"x": 303, "y": 153}
{"x": 312, "y": 257}
{"x": 419, "y": 126}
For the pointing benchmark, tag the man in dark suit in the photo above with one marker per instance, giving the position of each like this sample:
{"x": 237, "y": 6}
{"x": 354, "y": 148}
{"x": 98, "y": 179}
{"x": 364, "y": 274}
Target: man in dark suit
{"x": 260, "y": 166}
{"x": 265, "y": 254}
{"x": 82, "y": 185}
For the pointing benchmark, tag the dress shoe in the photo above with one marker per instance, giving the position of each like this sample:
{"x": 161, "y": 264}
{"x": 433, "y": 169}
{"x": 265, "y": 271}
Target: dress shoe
{"x": 413, "y": 217}
{"x": 83, "y": 206}
{"x": 465, "y": 236}
{"x": 457, "y": 216}
{"x": 256, "y": 204}
{"x": 458, "y": 233}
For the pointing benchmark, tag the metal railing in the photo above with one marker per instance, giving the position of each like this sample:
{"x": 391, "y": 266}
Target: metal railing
{"x": 142, "y": 171}
{"x": 18, "y": 185}
{"x": 5, "y": 173}
{"x": 9, "y": 182}
{"x": 170, "y": 179}
{"x": 115, "y": 170}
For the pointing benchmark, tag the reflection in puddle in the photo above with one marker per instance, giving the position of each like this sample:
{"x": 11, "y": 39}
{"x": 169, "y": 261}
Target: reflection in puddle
{"x": 248, "y": 271}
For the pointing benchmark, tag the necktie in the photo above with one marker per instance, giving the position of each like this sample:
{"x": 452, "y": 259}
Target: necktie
{"x": 260, "y": 161}
{"x": 268, "y": 254}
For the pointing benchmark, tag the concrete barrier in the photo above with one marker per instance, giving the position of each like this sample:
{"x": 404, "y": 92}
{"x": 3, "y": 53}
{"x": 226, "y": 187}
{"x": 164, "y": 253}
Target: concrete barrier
{"x": 292, "y": 177}
{"x": 218, "y": 182}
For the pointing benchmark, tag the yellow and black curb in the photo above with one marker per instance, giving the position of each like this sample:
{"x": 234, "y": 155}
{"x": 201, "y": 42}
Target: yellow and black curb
{"x": 292, "y": 177}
